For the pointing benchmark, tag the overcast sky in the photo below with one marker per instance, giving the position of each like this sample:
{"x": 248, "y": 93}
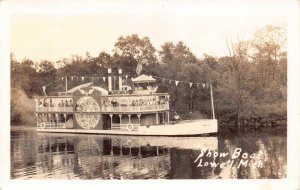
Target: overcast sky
{"x": 56, "y": 33}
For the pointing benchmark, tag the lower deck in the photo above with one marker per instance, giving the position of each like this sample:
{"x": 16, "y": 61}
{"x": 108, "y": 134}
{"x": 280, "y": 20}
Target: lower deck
{"x": 182, "y": 128}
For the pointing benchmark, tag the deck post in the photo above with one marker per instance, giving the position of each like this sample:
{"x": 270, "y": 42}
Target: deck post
{"x": 66, "y": 85}
{"x": 168, "y": 117}
{"x": 65, "y": 116}
{"x": 109, "y": 80}
{"x": 111, "y": 115}
{"x": 156, "y": 115}
{"x": 120, "y": 115}
{"x": 120, "y": 79}
{"x": 139, "y": 117}
{"x": 212, "y": 102}
{"x": 129, "y": 118}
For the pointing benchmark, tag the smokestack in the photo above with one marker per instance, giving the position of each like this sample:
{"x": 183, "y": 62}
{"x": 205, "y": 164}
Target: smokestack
{"x": 120, "y": 79}
{"x": 109, "y": 80}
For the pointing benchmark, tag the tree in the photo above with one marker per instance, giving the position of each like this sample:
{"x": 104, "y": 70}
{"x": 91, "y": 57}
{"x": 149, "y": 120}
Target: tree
{"x": 45, "y": 66}
{"x": 176, "y": 54}
{"x": 104, "y": 60}
{"x": 268, "y": 46}
{"x": 136, "y": 50}
{"x": 235, "y": 84}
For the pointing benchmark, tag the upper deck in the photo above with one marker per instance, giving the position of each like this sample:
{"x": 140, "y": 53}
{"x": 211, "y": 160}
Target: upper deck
{"x": 119, "y": 103}
{"x": 138, "y": 96}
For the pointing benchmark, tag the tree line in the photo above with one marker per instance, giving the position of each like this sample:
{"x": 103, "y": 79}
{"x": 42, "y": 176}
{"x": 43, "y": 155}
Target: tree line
{"x": 249, "y": 83}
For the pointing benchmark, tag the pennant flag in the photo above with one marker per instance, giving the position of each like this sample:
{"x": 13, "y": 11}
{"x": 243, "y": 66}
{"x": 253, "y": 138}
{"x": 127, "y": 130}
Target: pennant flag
{"x": 126, "y": 77}
{"x": 203, "y": 85}
{"x": 191, "y": 84}
{"x": 103, "y": 79}
{"x": 82, "y": 78}
{"x": 62, "y": 78}
{"x": 176, "y": 82}
{"x": 72, "y": 77}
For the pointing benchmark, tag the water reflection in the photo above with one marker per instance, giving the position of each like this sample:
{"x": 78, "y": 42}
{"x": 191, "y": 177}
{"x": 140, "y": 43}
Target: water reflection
{"x": 66, "y": 156}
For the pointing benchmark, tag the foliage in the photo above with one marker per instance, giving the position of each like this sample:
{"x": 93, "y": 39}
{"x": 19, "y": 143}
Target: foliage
{"x": 250, "y": 82}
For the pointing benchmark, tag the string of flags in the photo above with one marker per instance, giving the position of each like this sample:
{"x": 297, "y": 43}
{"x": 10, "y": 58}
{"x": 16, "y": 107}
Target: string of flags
{"x": 94, "y": 79}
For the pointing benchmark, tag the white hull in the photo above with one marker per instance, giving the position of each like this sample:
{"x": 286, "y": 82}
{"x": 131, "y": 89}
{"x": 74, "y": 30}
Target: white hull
{"x": 187, "y": 128}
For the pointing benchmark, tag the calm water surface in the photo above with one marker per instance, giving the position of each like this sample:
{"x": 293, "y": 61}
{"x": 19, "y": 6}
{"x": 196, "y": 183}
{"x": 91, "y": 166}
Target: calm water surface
{"x": 66, "y": 156}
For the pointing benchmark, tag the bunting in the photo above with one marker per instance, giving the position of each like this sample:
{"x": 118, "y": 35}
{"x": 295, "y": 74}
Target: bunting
{"x": 131, "y": 77}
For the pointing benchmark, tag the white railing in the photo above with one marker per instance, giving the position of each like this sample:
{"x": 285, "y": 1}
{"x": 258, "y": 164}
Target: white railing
{"x": 125, "y": 127}
{"x": 50, "y": 125}
{"x": 54, "y": 109}
{"x": 136, "y": 108}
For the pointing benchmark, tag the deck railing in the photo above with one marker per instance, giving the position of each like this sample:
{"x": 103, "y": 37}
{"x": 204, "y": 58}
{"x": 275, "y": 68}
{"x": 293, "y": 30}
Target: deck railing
{"x": 54, "y": 109}
{"x": 50, "y": 125}
{"x": 124, "y": 127}
{"x": 159, "y": 107}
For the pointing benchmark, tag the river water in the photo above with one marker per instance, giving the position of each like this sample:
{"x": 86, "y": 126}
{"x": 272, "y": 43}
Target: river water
{"x": 79, "y": 156}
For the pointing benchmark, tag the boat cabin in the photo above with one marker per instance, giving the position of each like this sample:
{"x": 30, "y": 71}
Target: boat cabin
{"x": 119, "y": 107}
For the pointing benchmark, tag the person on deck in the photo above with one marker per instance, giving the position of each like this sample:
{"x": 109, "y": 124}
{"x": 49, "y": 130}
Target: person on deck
{"x": 66, "y": 103}
{"x": 177, "y": 117}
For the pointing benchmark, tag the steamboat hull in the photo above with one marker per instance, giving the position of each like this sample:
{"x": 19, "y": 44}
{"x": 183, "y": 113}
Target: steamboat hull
{"x": 183, "y": 128}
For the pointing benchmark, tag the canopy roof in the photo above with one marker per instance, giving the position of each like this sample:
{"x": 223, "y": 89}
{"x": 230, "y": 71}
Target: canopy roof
{"x": 102, "y": 90}
{"x": 72, "y": 90}
{"x": 143, "y": 79}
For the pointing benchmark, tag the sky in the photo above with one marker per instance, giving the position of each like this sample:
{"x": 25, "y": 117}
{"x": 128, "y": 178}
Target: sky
{"x": 54, "y": 34}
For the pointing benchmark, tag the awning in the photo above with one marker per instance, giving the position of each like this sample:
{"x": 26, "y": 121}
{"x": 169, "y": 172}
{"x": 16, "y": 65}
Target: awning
{"x": 143, "y": 79}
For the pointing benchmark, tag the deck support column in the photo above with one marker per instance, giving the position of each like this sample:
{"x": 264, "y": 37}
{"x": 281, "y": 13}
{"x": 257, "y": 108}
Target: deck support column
{"x": 168, "y": 117}
{"x": 139, "y": 117}
{"x": 129, "y": 118}
{"x": 111, "y": 115}
{"x": 120, "y": 115}
{"x": 156, "y": 115}
{"x": 65, "y": 117}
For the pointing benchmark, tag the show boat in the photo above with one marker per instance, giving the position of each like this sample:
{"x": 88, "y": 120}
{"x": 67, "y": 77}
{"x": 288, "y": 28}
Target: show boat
{"x": 135, "y": 109}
